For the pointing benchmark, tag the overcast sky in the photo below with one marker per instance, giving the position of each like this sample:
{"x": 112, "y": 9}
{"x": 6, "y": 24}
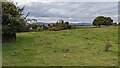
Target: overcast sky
{"x": 73, "y": 12}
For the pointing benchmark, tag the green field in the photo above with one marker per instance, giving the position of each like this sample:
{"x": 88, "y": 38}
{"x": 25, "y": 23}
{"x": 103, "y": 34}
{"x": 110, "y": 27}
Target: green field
{"x": 74, "y": 47}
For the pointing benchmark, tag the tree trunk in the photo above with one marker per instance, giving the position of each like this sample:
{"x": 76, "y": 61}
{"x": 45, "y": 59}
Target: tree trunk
{"x": 99, "y": 25}
{"x": 8, "y": 37}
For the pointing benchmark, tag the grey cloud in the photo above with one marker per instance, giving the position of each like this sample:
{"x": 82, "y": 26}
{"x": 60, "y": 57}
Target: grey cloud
{"x": 78, "y": 11}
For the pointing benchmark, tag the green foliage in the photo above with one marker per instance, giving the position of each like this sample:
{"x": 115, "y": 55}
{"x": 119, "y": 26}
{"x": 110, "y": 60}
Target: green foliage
{"x": 34, "y": 26}
{"x": 12, "y": 19}
{"x": 61, "y": 25}
{"x": 101, "y": 20}
{"x": 49, "y": 25}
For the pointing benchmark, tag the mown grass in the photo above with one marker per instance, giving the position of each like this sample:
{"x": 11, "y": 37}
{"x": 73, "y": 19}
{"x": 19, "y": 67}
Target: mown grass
{"x": 75, "y": 47}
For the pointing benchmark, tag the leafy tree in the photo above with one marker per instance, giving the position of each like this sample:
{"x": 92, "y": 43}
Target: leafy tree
{"x": 12, "y": 21}
{"x": 61, "y": 25}
{"x": 119, "y": 23}
{"x": 45, "y": 27}
{"x": 34, "y": 26}
{"x": 67, "y": 23}
{"x": 101, "y": 20}
{"x": 48, "y": 24}
{"x": 53, "y": 25}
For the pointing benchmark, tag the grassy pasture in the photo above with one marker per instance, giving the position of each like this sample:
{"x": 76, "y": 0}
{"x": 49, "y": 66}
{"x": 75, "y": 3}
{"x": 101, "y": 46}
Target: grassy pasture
{"x": 74, "y": 47}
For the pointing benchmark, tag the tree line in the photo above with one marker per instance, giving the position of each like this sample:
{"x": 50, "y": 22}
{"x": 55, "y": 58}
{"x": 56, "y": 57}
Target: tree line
{"x": 59, "y": 25}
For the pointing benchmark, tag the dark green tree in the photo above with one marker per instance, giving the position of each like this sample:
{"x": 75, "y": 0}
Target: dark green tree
{"x": 12, "y": 21}
{"x": 101, "y": 20}
{"x": 61, "y": 25}
{"x": 49, "y": 25}
{"x": 34, "y": 26}
{"x": 119, "y": 23}
{"x": 67, "y": 23}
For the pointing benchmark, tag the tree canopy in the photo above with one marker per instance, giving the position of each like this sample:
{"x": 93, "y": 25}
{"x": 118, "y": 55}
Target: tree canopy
{"x": 12, "y": 20}
{"x": 101, "y": 20}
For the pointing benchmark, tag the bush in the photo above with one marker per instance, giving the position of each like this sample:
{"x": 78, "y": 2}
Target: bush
{"x": 39, "y": 29}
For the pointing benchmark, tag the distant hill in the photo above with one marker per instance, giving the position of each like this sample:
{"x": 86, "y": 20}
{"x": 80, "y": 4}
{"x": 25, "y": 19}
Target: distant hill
{"x": 72, "y": 24}
{"x": 81, "y": 24}
{"x": 46, "y": 24}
